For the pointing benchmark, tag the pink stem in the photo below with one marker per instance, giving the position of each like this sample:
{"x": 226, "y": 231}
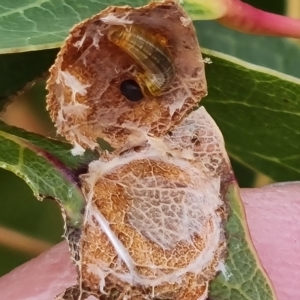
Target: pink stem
{"x": 248, "y": 19}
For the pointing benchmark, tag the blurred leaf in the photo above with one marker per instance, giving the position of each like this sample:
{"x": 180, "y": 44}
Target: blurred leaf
{"x": 267, "y": 5}
{"x": 10, "y": 259}
{"x": 47, "y": 166}
{"x": 17, "y": 70}
{"x": 244, "y": 176}
{"x": 36, "y": 102}
{"x": 275, "y": 53}
{"x": 243, "y": 277}
{"x": 257, "y": 111}
{"x": 21, "y": 212}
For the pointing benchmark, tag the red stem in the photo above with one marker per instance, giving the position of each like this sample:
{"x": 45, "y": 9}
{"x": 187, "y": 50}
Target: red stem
{"x": 248, "y": 19}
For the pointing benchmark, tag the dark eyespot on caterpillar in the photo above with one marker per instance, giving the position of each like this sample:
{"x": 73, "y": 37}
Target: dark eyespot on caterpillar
{"x": 131, "y": 90}
{"x": 150, "y": 52}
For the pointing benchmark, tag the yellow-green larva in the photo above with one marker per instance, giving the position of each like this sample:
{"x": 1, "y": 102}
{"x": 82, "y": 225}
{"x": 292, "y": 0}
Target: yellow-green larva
{"x": 150, "y": 52}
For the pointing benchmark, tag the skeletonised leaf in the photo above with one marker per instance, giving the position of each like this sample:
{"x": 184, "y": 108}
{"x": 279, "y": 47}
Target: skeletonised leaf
{"x": 33, "y": 158}
{"x": 44, "y": 169}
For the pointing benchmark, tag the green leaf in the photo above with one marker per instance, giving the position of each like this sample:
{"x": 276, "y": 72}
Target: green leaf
{"x": 213, "y": 10}
{"x": 44, "y": 24}
{"x": 205, "y": 9}
{"x": 60, "y": 150}
{"x": 26, "y": 25}
{"x": 243, "y": 277}
{"x": 257, "y": 110}
{"x": 47, "y": 166}
{"x": 275, "y": 53}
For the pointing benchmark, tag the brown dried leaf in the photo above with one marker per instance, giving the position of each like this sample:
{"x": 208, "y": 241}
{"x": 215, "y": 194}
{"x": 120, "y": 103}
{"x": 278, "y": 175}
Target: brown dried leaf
{"x": 85, "y": 100}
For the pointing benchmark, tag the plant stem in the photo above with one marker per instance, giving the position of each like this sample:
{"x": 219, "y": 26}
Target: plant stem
{"x": 248, "y": 19}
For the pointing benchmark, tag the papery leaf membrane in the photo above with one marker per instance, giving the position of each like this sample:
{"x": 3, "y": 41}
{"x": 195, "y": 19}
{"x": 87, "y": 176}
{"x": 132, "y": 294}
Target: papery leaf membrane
{"x": 254, "y": 110}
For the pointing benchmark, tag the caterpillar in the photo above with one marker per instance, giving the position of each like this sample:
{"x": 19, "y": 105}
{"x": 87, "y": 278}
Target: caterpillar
{"x": 150, "y": 52}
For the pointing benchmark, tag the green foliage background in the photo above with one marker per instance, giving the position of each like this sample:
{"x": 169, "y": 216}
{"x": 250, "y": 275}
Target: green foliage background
{"x": 20, "y": 211}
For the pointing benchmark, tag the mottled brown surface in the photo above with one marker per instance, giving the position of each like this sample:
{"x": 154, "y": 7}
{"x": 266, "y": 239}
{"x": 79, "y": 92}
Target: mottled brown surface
{"x": 153, "y": 224}
{"x": 102, "y": 66}
{"x": 137, "y": 197}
